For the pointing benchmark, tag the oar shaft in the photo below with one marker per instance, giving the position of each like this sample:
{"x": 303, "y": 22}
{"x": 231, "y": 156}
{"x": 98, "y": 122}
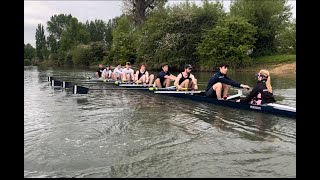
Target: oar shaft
{"x": 118, "y": 89}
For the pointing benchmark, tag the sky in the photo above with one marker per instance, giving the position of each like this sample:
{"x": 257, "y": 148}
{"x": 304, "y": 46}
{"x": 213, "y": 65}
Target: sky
{"x": 40, "y": 11}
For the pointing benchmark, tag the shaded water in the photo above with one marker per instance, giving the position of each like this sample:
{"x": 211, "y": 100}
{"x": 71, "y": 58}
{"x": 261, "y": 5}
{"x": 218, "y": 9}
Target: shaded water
{"x": 136, "y": 134}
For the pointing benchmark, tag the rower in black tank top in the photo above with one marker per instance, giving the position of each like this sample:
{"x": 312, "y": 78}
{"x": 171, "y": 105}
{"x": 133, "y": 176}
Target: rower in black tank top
{"x": 141, "y": 74}
{"x": 183, "y": 78}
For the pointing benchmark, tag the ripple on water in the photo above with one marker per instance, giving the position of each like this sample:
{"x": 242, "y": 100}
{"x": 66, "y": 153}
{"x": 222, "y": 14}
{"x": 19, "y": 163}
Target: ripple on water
{"x": 137, "y": 134}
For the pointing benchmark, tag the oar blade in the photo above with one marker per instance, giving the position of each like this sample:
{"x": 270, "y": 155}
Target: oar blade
{"x": 50, "y": 78}
{"x": 56, "y": 83}
{"x": 79, "y": 90}
{"x": 66, "y": 85}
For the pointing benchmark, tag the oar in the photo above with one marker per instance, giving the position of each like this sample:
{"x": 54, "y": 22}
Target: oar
{"x": 63, "y": 77}
{"x": 50, "y": 78}
{"x": 66, "y": 84}
{"x": 170, "y": 88}
{"x": 134, "y": 85}
{"x": 177, "y": 92}
{"x": 236, "y": 95}
{"x": 84, "y": 90}
{"x": 55, "y": 83}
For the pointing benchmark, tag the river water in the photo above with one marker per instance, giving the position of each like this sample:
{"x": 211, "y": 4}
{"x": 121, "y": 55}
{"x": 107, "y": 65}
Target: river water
{"x": 136, "y": 134}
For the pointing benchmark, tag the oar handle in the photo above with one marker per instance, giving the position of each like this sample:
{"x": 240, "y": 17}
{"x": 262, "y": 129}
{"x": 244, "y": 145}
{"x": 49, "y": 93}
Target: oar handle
{"x": 162, "y": 89}
{"x": 184, "y": 89}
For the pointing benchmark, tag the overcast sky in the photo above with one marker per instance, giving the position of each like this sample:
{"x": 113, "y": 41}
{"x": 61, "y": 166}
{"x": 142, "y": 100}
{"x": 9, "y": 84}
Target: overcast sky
{"x": 40, "y": 11}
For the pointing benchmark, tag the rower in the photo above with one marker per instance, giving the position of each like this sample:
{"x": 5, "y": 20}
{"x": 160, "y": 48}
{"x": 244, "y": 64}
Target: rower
{"x": 262, "y": 91}
{"x": 186, "y": 80}
{"x": 142, "y": 76}
{"x": 219, "y": 83}
{"x": 106, "y": 73}
{"x": 128, "y": 73}
{"x": 99, "y": 71}
{"x": 164, "y": 77}
{"x": 117, "y": 72}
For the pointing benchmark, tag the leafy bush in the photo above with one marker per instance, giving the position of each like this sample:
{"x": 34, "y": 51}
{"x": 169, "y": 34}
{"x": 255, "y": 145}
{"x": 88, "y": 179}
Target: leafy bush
{"x": 27, "y": 62}
{"x": 80, "y": 55}
{"x": 228, "y": 42}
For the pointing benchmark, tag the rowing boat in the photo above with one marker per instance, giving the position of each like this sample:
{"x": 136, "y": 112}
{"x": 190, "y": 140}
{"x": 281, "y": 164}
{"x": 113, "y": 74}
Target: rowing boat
{"x": 272, "y": 108}
{"x": 199, "y": 96}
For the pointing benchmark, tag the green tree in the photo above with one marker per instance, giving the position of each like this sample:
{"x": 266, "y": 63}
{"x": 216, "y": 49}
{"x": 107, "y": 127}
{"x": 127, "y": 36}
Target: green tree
{"x": 269, "y": 16}
{"x": 228, "y": 42}
{"x": 287, "y": 39}
{"x": 172, "y": 34}
{"x": 41, "y": 48}
{"x": 27, "y": 62}
{"x": 29, "y": 52}
{"x": 123, "y": 41}
{"x": 53, "y": 44}
{"x": 97, "y": 30}
{"x": 108, "y": 33}
{"x": 58, "y": 24}
{"x": 97, "y": 52}
{"x": 75, "y": 34}
{"x": 80, "y": 55}
{"x": 152, "y": 31}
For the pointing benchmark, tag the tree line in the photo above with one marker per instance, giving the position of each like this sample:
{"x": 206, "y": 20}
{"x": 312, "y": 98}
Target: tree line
{"x": 151, "y": 32}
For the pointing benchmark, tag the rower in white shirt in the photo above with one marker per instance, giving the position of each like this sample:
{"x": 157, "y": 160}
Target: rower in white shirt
{"x": 117, "y": 72}
{"x": 106, "y": 73}
{"x": 128, "y": 73}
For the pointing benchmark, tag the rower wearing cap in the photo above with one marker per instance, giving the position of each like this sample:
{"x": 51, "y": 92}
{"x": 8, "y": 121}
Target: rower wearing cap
{"x": 164, "y": 77}
{"x": 218, "y": 83}
{"x": 262, "y": 91}
{"x": 185, "y": 79}
{"x": 106, "y": 73}
{"x": 117, "y": 72}
{"x": 142, "y": 76}
{"x": 99, "y": 71}
{"x": 128, "y": 73}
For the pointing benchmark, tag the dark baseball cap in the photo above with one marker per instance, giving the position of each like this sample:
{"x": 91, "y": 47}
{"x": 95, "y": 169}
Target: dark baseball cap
{"x": 188, "y": 66}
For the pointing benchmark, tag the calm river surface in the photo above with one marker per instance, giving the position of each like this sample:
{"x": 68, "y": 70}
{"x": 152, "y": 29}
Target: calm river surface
{"x": 135, "y": 134}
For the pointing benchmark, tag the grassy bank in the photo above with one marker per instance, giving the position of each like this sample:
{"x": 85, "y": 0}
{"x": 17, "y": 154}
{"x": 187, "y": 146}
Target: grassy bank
{"x": 275, "y": 59}
{"x": 267, "y": 62}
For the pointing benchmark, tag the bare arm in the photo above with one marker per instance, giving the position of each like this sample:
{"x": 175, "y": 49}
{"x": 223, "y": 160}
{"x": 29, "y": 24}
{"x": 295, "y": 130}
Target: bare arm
{"x": 132, "y": 75}
{"x": 193, "y": 79}
{"x": 172, "y": 77}
{"x": 147, "y": 76}
{"x": 176, "y": 82}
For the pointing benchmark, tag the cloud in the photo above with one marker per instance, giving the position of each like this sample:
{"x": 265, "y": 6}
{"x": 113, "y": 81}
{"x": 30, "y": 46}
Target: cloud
{"x": 36, "y": 12}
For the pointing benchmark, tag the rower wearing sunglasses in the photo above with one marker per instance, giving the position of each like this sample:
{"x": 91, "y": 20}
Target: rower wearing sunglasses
{"x": 186, "y": 80}
{"x": 261, "y": 92}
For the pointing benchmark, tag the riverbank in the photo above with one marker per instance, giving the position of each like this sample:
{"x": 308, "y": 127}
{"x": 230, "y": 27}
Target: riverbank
{"x": 277, "y": 64}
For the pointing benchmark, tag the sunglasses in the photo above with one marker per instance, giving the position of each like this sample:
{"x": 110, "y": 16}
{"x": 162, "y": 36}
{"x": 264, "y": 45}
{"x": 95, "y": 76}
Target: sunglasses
{"x": 260, "y": 75}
